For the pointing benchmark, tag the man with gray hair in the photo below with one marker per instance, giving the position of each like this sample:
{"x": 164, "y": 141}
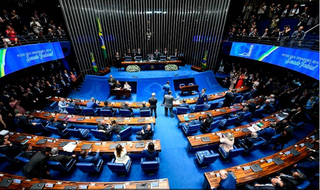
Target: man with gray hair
{"x": 227, "y": 181}
{"x": 153, "y": 104}
{"x": 249, "y": 141}
{"x": 63, "y": 159}
{"x": 144, "y": 107}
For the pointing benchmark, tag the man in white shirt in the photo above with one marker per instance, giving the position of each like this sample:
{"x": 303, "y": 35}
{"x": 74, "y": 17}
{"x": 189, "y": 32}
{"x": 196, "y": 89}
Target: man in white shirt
{"x": 35, "y": 25}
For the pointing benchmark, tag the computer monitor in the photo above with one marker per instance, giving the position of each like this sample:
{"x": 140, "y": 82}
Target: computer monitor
{"x": 163, "y": 58}
{"x": 138, "y": 58}
{"x": 127, "y": 58}
{"x": 173, "y": 58}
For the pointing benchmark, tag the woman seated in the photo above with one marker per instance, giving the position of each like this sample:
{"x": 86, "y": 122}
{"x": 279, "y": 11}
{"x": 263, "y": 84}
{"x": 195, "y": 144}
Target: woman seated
{"x": 12, "y": 35}
{"x": 121, "y": 154}
{"x": 150, "y": 154}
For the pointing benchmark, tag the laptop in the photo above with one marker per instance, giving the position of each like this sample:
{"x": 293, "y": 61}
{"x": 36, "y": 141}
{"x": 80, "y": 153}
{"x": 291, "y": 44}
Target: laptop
{"x": 141, "y": 120}
{"x": 294, "y": 152}
{"x": 5, "y": 182}
{"x": 80, "y": 118}
{"x": 140, "y": 145}
{"x": 118, "y": 186}
{"x": 37, "y": 186}
{"x": 20, "y": 138}
{"x": 113, "y": 146}
{"x": 223, "y": 110}
{"x": 191, "y": 116}
{"x": 205, "y": 139}
{"x": 119, "y": 120}
{"x": 256, "y": 168}
{"x": 309, "y": 145}
{"x": 236, "y": 107}
{"x": 41, "y": 141}
{"x": 278, "y": 161}
{"x": 86, "y": 146}
{"x": 62, "y": 144}
{"x": 99, "y": 119}
{"x": 245, "y": 130}
{"x": 142, "y": 186}
{"x": 62, "y": 116}
{"x": 46, "y": 114}
{"x": 70, "y": 187}
{"x": 272, "y": 120}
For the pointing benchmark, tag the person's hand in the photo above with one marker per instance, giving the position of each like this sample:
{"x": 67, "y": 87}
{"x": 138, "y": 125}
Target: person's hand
{"x": 257, "y": 185}
{"x": 73, "y": 155}
{"x": 48, "y": 173}
{"x": 98, "y": 150}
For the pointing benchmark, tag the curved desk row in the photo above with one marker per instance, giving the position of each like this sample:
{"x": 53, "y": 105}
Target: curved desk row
{"x": 246, "y": 175}
{"x": 216, "y": 112}
{"x": 238, "y": 132}
{"x": 105, "y": 147}
{"x": 211, "y": 97}
{"x": 20, "y": 182}
{"x": 92, "y": 119}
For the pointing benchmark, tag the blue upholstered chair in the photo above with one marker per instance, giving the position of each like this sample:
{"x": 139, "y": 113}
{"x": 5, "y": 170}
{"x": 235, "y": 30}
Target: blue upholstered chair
{"x": 182, "y": 110}
{"x": 274, "y": 139}
{"x": 302, "y": 123}
{"x": 54, "y": 106}
{"x": 197, "y": 108}
{"x": 90, "y": 111}
{"x": 78, "y": 133}
{"x": 145, "y": 113}
{"x": 303, "y": 185}
{"x": 227, "y": 122}
{"x": 56, "y": 131}
{"x": 119, "y": 168}
{"x": 125, "y": 133}
{"x": 254, "y": 147}
{"x": 206, "y": 157}
{"x": 107, "y": 113}
{"x": 90, "y": 167}
{"x": 150, "y": 166}
{"x": 190, "y": 129}
{"x": 245, "y": 96}
{"x": 3, "y": 157}
{"x": 257, "y": 113}
{"x": 213, "y": 125}
{"x": 232, "y": 153}
{"x": 213, "y": 105}
{"x": 125, "y": 113}
{"x": 57, "y": 166}
{"x": 237, "y": 99}
{"x": 21, "y": 160}
{"x": 71, "y": 110}
{"x": 99, "y": 135}
{"x": 244, "y": 118}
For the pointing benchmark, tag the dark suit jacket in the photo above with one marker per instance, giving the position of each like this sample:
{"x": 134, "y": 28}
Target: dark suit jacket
{"x": 149, "y": 155}
{"x": 126, "y": 107}
{"x": 228, "y": 184}
{"x": 144, "y": 108}
{"x": 297, "y": 117}
{"x": 90, "y": 159}
{"x": 252, "y": 107}
{"x": 147, "y": 134}
{"x": 36, "y": 167}
{"x": 229, "y": 98}
{"x": 63, "y": 159}
{"x": 28, "y": 154}
{"x": 201, "y": 98}
{"x": 153, "y": 102}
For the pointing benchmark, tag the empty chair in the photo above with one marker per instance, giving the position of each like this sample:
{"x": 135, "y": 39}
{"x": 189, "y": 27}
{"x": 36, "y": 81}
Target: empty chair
{"x": 257, "y": 113}
{"x": 54, "y": 106}
{"x": 197, "y": 108}
{"x": 213, "y": 125}
{"x": 125, "y": 133}
{"x": 190, "y": 129}
{"x": 78, "y": 133}
{"x": 245, "y": 96}
{"x": 237, "y": 99}
{"x": 145, "y": 113}
{"x": 232, "y": 153}
{"x": 108, "y": 113}
{"x": 305, "y": 121}
{"x": 125, "y": 113}
{"x": 99, "y": 134}
{"x": 245, "y": 117}
{"x": 303, "y": 185}
{"x": 273, "y": 139}
{"x": 150, "y": 166}
{"x": 37, "y": 127}
{"x": 3, "y": 157}
{"x": 206, "y": 157}
{"x": 56, "y": 131}
{"x": 213, "y": 105}
{"x": 20, "y": 159}
{"x": 90, "y": 111}
{"x": 227, "y": 122}
{"x": 119, "y": 168}
{"x": 182, "y": 110}
{"x": 90, "y": 167}
{"x": 254, "y": 147}
{"x": 60, "y": 167}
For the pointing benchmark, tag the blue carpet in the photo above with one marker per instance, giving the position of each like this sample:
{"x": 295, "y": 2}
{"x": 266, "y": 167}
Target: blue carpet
{"x": 176, "y": 163}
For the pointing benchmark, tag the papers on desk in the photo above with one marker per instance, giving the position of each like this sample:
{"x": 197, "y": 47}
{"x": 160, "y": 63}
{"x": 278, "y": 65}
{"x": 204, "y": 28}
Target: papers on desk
{"x": 4, "y": 132}
{"x": 69, "y": 147}
{"x": 254, "y": 128}
{"x": 186, "y": 118}
{"x": 176, "y": 102}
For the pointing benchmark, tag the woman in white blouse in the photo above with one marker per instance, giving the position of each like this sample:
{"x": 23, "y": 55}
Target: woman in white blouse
{"x": 121, "y": 154}
{"x": 226, "y": 142}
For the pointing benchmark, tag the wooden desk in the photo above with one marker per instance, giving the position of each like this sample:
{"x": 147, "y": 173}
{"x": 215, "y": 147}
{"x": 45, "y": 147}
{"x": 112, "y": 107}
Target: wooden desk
{"x": 104, "y": 71}
{"x": 163, "y": 183}
{"x": 121, "y": 92}
{"x": 150, "y": 62}
{"x": 104, "y": 147}
{"x": 81, "y": 102}
{"x": 93, "y": 119}
{"x": 196, "y": 142}
{"x": 210, "y": 96}
{"x": 215, "y": 113}
{"x": 248, "y": 176}
{"x": 189, "y": 88}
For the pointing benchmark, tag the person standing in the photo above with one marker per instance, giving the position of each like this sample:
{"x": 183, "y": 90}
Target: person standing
{"x": 168, "y": 103}
{"x": 166, "y": 89}
{"x": 111, "y": 81}
{"x": 202, "y": 97}
{"x": 153, "y": 104}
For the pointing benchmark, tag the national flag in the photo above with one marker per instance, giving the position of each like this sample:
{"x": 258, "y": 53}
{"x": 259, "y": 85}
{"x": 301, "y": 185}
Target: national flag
{"x": 94, "y": 65}
{"x": 204, "y": 61}
{"x": 103, "y": 47}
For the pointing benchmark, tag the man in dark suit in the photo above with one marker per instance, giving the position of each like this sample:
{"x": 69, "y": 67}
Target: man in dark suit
{"x": 37, "y": 166}
{"x": 75, "y": 106}
{"x": 166, "y": 89}
{"x": 268, "y": 132}
{"x": 206, "y": 122}
{"x": 298, "y": 116}
{"x": 111, "y": 81}
{"x": 139, "y": 53}
{"x": 252, "y": 106}
{"x": 7, "y": 148}
{"x": 168, "y": 104}
{"x": 184, "y": 104}
{"x": 85, "y": 157}
{"x": 144, "y": 107}
{"x": 145, "y": 133}
{"x": 202, "y": 96}
{"x": 106, "y": 107}
{"x": 153, "y": 104}
{"x": 54, "y": 123}
{"x": 229, "y": 98}
{"x": 249, "y": 141}
{"x": 23, "y": 121}
{"x": 104, "y": 127}
{"x": 156, "y": 55}
{"x": 227, "y": 181}
{"x": 62, "y": 158}
{"x": 126, "y": 106}
{"x": 27, "y": 151}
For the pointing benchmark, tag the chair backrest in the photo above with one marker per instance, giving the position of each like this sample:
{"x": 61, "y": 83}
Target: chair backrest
{"x": 213, "y": 105}
{"x": 87, "y": 167}
{"x": 199, "y": 107}
{"x": 117, "y": 167}
{"x": 98, "y": 134}
{"x": 190, "y": 84}
{"x": 210, "y": 158}
{"x": 55, "y": 165}
{"x": 3, "y": 157}
{"x": 125, "y": 133}
{"x": 54, "y": 105}
{"x": 256, "y": 146}
{"x": 246, "y": 116}
{"x": 88, "y": 111}
{"x": 17, "y": 158}
{"x": 182, "y": 110}
{"x": 38, "y": 127}
{"x": 213, "y": 125}
{"x": 245, "y": 96}
{"x": 182, "y": 84}
{"x": 257, "y": 113}
{"x": 75, "y": 133}
{"x": 125, "y": 113}
{"x": 71, "y": 110}
{"x": 237, "y": 99}
{"x": 150, "y": 166}
{"x": 127, "y": 58}
{"x": 235, "y": 152}
{"x": 231, "y": 121}
{"x": 274, "y": 139}
{"x": 107, "y": 113}
{"x": 303, "y": 185}
{"x": 145, "y": 113}
{"x": 193, "y": 129}
{"x": 54, "y": 130}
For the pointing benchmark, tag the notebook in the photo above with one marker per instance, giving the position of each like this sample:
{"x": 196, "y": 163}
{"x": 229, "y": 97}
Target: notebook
{"x": 139, "y": 103}
{"x": 70, "y": 187}
{"x": 236, "y": 107}
{"x": 5, "y": 182}
{"x": 41, "y": 141}
{"x": 191, "y": 116}
{"x": 83, "y": 186}
{"x": 80, "y": 119}
{"x": 140, "y": 145}
{"x": 245, "y": 130}
{"x": 119, "y": 120}
{"x": 220, "y": 94}
{"x": 62, "y": 116}
{"x": 46, "y": 114}
{"x": 37, "y": 186}
{"x": 141, "y": 120}
{"x": 294, "y": 152}
{"x": 256, "y": 168}
{"x": 118, "y": 186}
{"x": 186, "y": 118}
{"x": 63, "y": 144}
{"x": 223, "y": 110}
{"x": 99, "y": 119}
{"x": 154, "y": 184}
{"x": 20, "y": 138}
{"x": 205, "y": 139}
{"x": 272, "y": 120}
{"x": 86, "y": 146}
{"x": 142, "y": 186}
{"x": 278, "y": 161}
{"x": 112, "y": 146}
{"x": 108, "y": 187}
{"x": 309, "y": 145}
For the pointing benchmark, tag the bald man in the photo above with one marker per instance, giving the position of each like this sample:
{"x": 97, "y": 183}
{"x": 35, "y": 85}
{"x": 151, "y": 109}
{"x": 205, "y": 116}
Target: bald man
{"x": 227, "y": 181}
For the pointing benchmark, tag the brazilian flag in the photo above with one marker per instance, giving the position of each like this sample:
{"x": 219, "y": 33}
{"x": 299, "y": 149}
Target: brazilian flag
{"x": 103, "y": 47}
{"x": 2, "y": 61}
{"x": 204, "y": 61}
{"x": 94, "y": 65}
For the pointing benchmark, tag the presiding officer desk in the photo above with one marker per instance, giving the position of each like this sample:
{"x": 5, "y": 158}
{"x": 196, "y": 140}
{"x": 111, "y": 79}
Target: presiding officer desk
{"x": 78, "y": 119}
{"x": 57, "y": 184}
{"x": 246, "y": 176}
{"x": 238, "y": 133}
{"x": 103, "y": 146}
{"x": 155, "y": 62}
{"x": 216, "y": 112}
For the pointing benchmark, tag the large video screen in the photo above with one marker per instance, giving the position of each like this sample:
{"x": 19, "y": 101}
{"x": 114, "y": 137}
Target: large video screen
{"x": 16, "y": 58}
{"x": 303, "y": 61}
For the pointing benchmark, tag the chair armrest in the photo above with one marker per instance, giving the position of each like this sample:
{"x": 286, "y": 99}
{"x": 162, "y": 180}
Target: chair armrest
{"x": 71, "y": 162}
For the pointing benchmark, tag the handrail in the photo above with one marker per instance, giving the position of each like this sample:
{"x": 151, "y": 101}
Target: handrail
{"x": 310, "y": 30}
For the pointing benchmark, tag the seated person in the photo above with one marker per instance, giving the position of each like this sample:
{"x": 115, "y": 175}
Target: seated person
{"x": 145, "y": 133}
{"x": 226, "y": 141}
{"x": 107, "y": 107}
{"x": 7, "y": 148}
{"x": 127, "y": 86}
{"x": 92, "y": 103}
{"x": 27, "y": 151}
{"x": 104, "y": 127}
{"x": 60, "y": 126}
{"x": 111, "y": 81}
{"x": 149, "y": 153}
{"x": 227, "y": 181}
{"x": 117, "y": 86}
{"x": 205, "y": 125}
{"x": 62, "y": 158}
{"x": 86, "y": 157}
{"x": 62, "y": 106}
{"x": 184, "y": 104}
{"x": 115, "y": 127}
{"x": 297, "y": 115}
{"x": 121, "y": 154}
{"x": 252, "y": 106}
{"x": 267, "y": 106}
{"x": 268, "y": 132}
{"x": 193, "y": 122}
{"x": 144, "y": 107}
{"x": 249, "y": 141}
{"x": 75, "y": 106}
{"x": 241, "y": 114}
{"x": 23, "y": 121}
{"x": 126, "y": 106}
{"x": 157, "y": 55}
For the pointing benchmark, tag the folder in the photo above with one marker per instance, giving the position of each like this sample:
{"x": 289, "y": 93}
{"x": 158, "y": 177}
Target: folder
{"x": 272, "y": 120}
{"x": 141, "y": 120}
{"x": 86, "y": 146}
{"x": 256, "y": 168}
{"x": 5, "y": 182}
{"x": 70, "y": 187}
{"x": 191, "y": 116}
{"x": 142, "y": 186}
{"x": 245, "y": 130}
{"x": 236, "y": 107}
{"x": 294, "y": 152}
{"x": 20, "y": 138}
{"x": 139, "y": 145}
{"x": 205, "y": 139}
{"x": 46, "y": 114}
{"x": 99, "y": 119}
{"x": 223, "y": 110}
{"x": 37, "y": 186}
{"x": 80, "y": 118}
{"x": 63, "y": 144}
{"x": 120, "y": 120}
{"x": 62, "y": 116}
{"x": 278, "y": 161}
{"x": 41, "y": 141}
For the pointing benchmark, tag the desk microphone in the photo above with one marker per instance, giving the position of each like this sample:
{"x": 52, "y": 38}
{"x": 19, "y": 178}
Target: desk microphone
{"x": 134, "y": 76}
{"x": 176, "y": 74}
